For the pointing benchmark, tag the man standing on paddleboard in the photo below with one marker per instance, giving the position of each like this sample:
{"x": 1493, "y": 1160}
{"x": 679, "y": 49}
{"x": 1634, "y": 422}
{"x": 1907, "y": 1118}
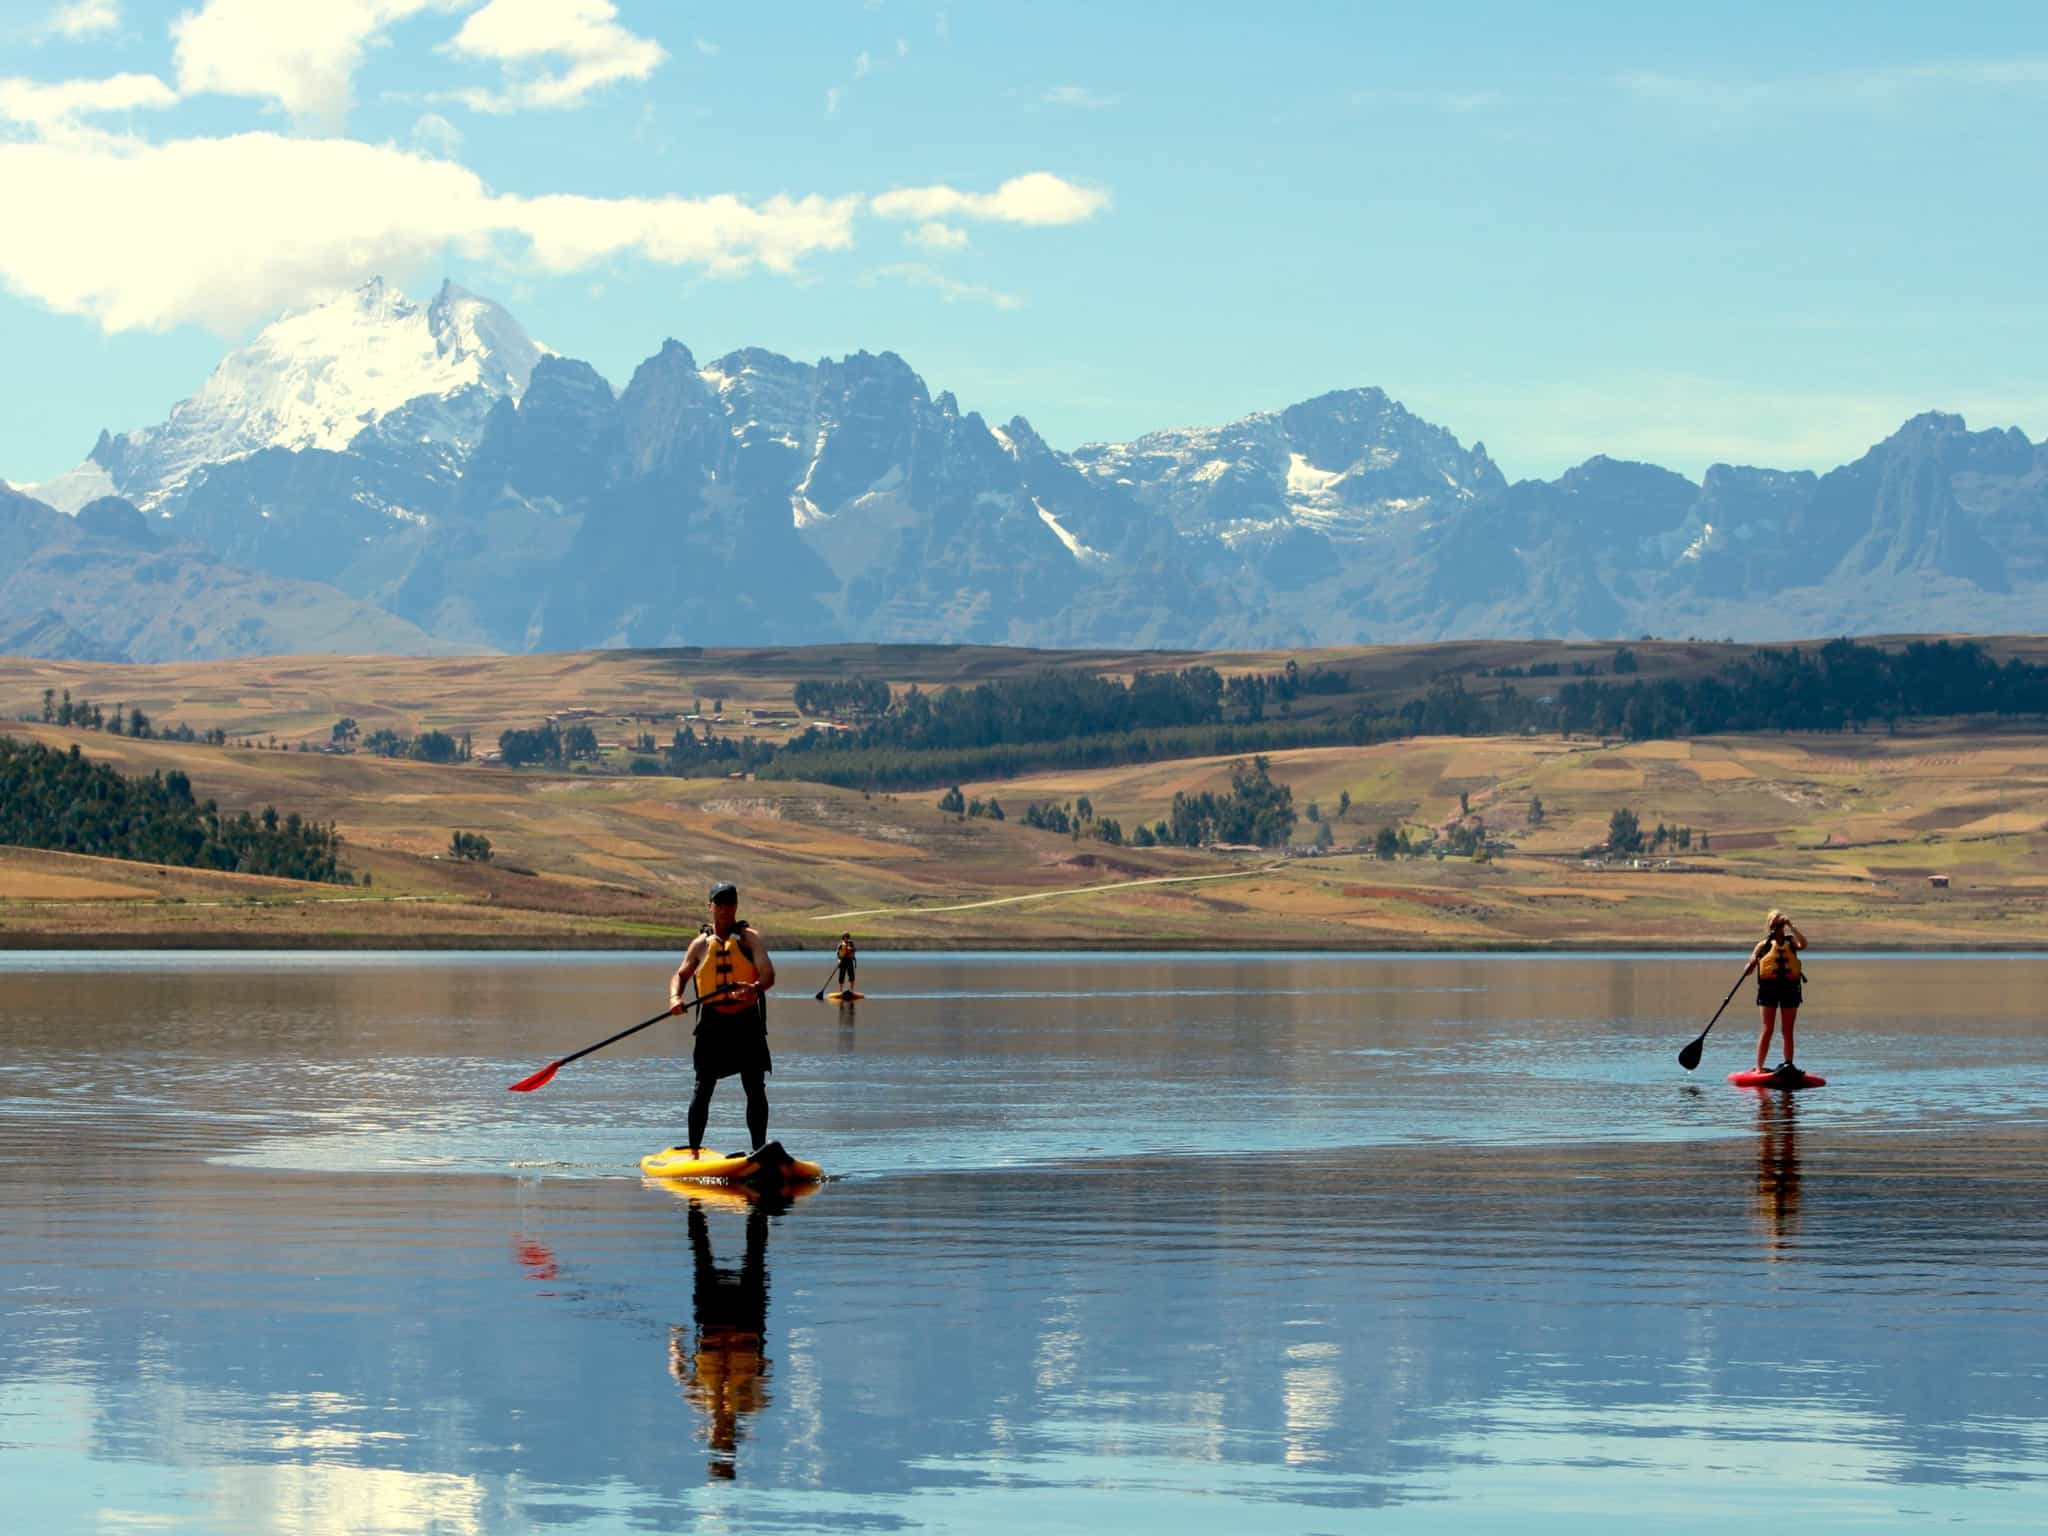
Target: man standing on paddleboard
{"x": 1778, "y": 993}
{"x": 733, "y": 972}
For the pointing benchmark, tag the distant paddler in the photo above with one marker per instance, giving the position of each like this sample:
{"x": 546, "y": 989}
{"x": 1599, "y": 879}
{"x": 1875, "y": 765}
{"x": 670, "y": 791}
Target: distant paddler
{"x": 730, "y": 963}
{"x": 1778, "y": 991}
{"x": 848, "y": 961}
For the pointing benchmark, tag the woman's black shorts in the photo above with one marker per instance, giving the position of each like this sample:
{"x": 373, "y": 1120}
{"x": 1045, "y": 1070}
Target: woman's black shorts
{"x": 1777, "y": 992}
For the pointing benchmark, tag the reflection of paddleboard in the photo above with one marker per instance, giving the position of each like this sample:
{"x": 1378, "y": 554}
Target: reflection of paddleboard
{"x": 772, "y": 1198}
{"x": 1786, "y": 1080}
{"x": 844, "y": 997}
{"x": 768, "y": 1164}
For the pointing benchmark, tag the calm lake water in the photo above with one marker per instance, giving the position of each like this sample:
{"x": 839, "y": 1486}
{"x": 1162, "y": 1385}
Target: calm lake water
{"x": 1158, "y": 1243}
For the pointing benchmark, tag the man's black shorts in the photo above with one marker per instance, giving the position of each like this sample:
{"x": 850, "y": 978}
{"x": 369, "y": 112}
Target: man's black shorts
{"x": 732, "y": 1042}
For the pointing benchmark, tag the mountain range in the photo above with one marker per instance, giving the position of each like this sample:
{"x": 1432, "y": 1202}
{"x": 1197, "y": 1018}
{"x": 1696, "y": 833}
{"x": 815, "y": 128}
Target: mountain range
{"x": 374, "y": 475}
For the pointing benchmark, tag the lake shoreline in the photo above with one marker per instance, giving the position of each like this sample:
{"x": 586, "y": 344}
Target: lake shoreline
{"x": 951, "y": 943}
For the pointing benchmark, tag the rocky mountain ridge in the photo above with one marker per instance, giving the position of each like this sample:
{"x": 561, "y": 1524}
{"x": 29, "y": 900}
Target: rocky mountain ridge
{"x": 522, "y": 503}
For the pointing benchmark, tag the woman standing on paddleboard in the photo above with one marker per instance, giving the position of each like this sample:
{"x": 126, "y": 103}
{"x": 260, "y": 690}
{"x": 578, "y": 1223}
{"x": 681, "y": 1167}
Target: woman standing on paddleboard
{"x": 733, "y": 972}
{"x": 1776, "y": 963}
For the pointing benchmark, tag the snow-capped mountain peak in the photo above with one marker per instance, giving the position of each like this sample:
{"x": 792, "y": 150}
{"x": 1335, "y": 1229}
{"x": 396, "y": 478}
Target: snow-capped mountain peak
{"x": 316, "y": 377}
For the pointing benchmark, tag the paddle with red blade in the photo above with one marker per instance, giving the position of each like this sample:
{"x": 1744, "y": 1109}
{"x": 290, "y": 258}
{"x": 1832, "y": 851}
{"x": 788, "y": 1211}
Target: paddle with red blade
{"x": 546, "y": 1074}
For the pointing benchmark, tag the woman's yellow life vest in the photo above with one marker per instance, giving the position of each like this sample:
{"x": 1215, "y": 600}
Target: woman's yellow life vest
{"x": 845, "y": 950}
{"x": 1780, "y": 962}
{"x": 726, "y": 963}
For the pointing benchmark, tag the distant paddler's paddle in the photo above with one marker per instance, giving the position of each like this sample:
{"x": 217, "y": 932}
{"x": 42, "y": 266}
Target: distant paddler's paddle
{"x": 546, "y": 1074}
{"x": 1689, "y": 1057}
{"x": 830, "y": 976}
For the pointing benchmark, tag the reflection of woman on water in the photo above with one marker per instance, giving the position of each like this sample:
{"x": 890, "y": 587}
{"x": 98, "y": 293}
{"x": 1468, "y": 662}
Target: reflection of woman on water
{"x": 1777, "y": 1168}
{"x": 724, "y": 1372}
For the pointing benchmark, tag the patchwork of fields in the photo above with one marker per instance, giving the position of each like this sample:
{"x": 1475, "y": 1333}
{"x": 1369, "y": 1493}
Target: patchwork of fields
{"x": 1845, "y": 831}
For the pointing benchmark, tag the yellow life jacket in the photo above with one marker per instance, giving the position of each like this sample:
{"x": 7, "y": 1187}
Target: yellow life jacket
{"x": 1780, "y": 962}
{"x": 726, "y": 963}
{"x": 845, "y": 950}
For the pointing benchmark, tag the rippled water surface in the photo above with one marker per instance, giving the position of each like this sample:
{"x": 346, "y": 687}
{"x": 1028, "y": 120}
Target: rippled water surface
{"x": 1154, "y": 1242}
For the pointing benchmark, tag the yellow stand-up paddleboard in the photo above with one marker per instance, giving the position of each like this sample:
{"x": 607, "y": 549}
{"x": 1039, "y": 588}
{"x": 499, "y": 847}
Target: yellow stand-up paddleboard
{"x": 768, "y": 1164}
{"x": 844, "y": 997}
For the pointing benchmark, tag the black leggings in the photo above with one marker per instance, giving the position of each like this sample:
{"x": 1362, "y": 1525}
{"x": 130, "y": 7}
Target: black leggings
{"x": 756, "y": 1086}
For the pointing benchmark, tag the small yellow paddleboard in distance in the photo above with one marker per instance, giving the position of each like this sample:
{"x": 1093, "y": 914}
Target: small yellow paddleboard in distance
{"x": 768, "y": 1164}
{"x": 844, "y": 997}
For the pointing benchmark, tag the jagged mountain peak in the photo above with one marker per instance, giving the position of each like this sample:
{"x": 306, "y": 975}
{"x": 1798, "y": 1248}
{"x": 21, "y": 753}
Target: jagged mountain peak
{"x": 1340, "y": 464}
{"x": 319, "y": 376}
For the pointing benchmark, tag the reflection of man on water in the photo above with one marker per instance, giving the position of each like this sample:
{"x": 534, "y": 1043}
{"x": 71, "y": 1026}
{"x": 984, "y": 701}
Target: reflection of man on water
{"x": 724, "y": 1371}
{"x": 1777, "y": 1169}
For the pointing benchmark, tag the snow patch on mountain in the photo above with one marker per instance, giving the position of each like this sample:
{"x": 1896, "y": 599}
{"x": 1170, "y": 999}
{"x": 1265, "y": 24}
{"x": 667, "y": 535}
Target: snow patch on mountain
{"x": 1075, "y": 547}
{"x": 68, "y": 492}
{"x": 318, "y": 377}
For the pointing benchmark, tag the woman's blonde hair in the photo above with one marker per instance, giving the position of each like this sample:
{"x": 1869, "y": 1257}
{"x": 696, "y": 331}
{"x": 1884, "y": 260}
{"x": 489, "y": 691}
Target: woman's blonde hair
{"x": 1775, "y": 920}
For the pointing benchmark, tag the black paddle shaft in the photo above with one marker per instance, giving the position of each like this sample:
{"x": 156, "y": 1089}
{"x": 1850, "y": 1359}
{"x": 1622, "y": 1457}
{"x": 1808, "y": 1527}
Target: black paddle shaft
{"x": 1689, "y": 1056}
{"x": 666, "y": 1013}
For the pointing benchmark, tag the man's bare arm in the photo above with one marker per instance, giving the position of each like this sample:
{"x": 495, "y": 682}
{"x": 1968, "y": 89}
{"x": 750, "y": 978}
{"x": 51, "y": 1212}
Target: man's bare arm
{"x": 757, "y": 947}
{"x": 692, "y": 958}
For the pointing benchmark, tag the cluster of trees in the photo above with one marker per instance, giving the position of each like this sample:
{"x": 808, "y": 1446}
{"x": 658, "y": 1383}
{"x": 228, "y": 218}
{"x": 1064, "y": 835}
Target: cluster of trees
{"x": 842, "y": 696}
{"x": 952, "y": 800}
{"x": 1256, "y": 810}
{"x": 85, "y": 715}
{"x": 63, "y": 801}
{"x": 1843, "y": 685}
{"x": 1555, "y": 669}
{"x": 548, "y": 745}
{"x": 1389, "y": 843}
{"x": 1077, "y": 818}
{"x": 473, "y": 846}
{"x": 1625, "y": 835}
{"x": 1048, "y": 706}
{"x": 1249, "y": 691}
{"x": 427, "y": 747}
{"x": 710, "y": 756}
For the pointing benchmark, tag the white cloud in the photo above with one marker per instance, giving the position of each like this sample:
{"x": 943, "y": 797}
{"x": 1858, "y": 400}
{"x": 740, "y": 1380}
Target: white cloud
{"x": 82, "y": 19}
{"x": 302, "y": 56}
{"x": 862, "y": 64}
{"x": 244, "y": 226}
{"x": 831, "y": 99}
{"x": 433, "y": 134}
{"x": 1434, "y": 98}
{"x": 918, "y": 275}
{"x": 53, "y": 109}
{"x": 706, "y": 48}
{"x": 527, "y": 36}
{"x": 1077, "y": 96}
{"x": 1880, "y": 88}
{"x": 1038, "y": 198}
{"x": 935, "y": 236}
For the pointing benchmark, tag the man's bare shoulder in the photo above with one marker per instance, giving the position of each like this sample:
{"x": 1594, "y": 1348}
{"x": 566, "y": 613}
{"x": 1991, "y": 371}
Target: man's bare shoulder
{"x": 756, "y": 940}
{"x": 695, "y": 951}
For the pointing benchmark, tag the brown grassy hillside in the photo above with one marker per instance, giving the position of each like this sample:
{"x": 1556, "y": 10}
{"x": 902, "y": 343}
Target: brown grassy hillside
{"x": 1844, "y": 831}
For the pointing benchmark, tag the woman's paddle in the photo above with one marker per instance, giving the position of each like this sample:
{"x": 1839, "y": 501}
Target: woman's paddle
{"x": 1690, "y": 1056}
{"x": 546, "y": 1074}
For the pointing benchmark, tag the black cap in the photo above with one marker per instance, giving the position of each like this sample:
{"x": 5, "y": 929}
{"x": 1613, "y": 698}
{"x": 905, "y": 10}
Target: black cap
{"x": 725, "y": 890}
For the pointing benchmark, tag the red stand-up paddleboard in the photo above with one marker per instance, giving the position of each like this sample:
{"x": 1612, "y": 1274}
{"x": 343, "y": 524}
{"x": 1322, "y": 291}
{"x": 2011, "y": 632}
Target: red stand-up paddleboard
{"x": 1777, "y": 1079}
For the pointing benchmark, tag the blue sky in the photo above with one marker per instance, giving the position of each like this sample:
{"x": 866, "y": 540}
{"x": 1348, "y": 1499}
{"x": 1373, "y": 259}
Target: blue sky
{"x": 1724, "y": 233}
